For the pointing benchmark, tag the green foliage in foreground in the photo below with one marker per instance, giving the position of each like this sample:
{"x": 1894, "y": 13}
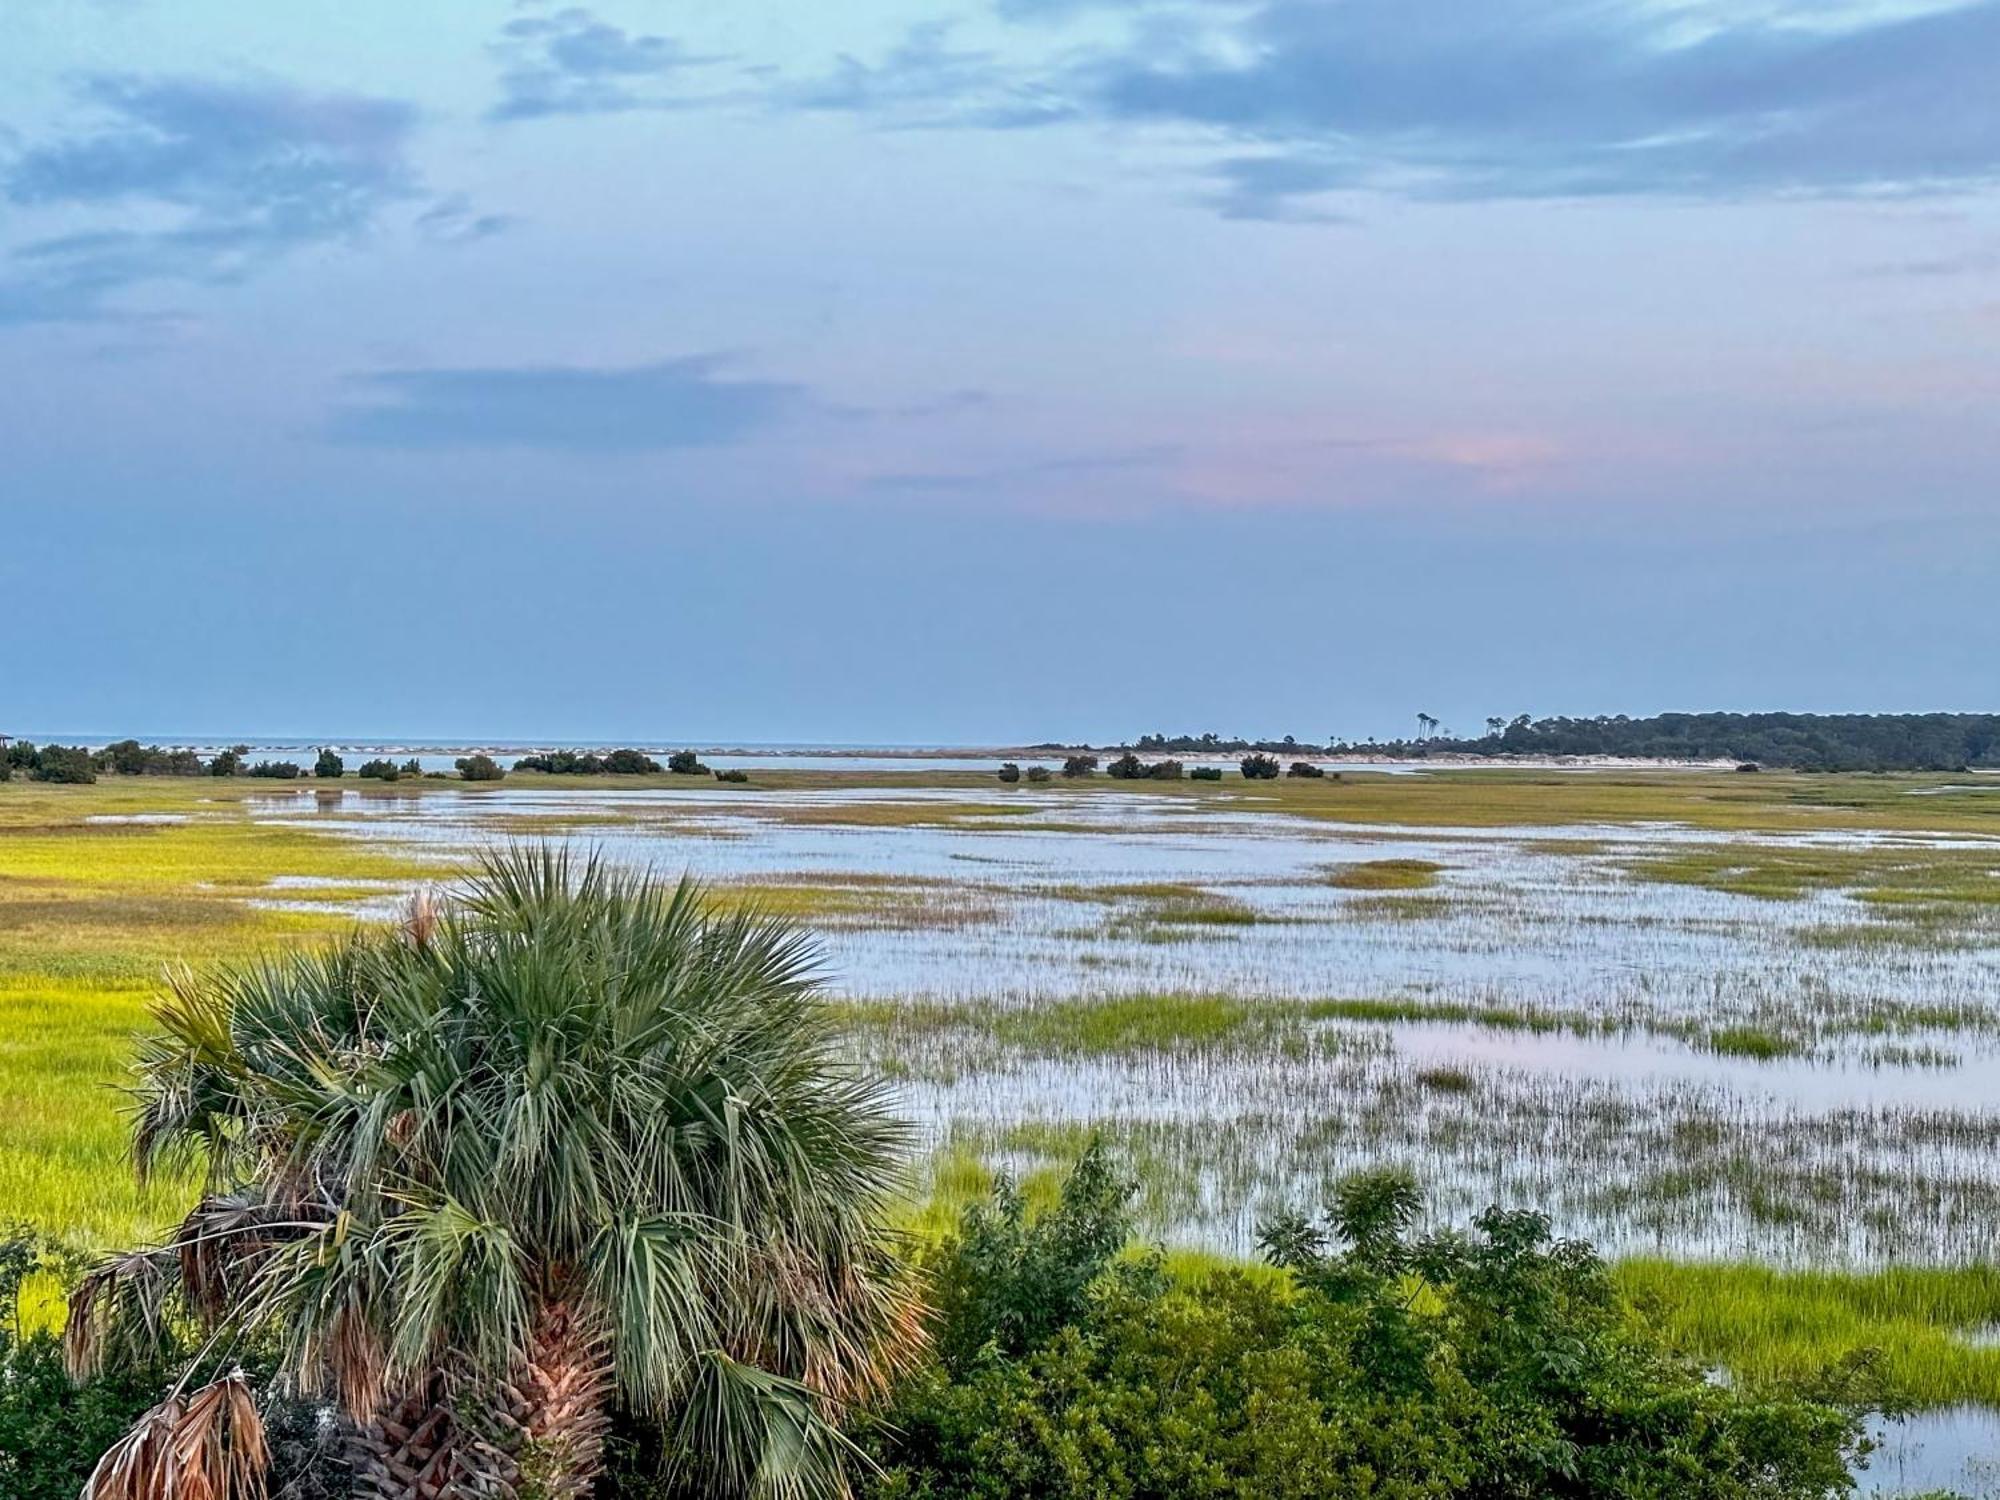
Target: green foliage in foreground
{"x": 1495, "y": 1363}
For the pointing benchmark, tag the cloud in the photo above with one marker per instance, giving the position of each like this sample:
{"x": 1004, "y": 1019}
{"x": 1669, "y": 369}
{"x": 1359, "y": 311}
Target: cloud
{"x": 675, "y": 403}
{"x": 227, "y": 176}
{"x": 572, "y": 63}
{"x": 1537, "y": 98}
{"x": 1502, "y": 99}
{"x": 452, "y": 220}
{"x": 1016, "y": 476}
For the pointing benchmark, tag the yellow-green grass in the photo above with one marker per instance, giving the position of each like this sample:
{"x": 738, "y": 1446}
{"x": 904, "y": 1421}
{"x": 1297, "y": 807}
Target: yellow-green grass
{"x": 91, "y": 914}
{"x": 1772, "y": 1327}
{"x": 1386, "y": 875}
{"x": 1073, "y": 1027}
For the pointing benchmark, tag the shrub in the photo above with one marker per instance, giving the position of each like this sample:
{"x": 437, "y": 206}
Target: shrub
{"x": 1009, "y": 772}
{"x": 379, "y": 770}
{"x": 633, "y": 763}
{"x": 126, "y": 757}
{"x": 733, "y": 776}
{"x": 1080, "y": 765}
{"x": 1259, "y": 767}
{"x": 276, "y": 770}
{"x": 1128, "y": 767}
{"x": 64, "y": 763}
{"x": 1306, "y": 769}
{"x": 329, "y": 767}
{"x": 1038, "y": 773}
{"x": 228, "y": 762}
{"x": 413, "y": 767}
{"x": 1205, "y": 773}
{"x": 686, "y": 763}
{"x": 21, "y": 755}
{"x": 1451, "y": 1366}
{"x": 479, "y": 768}
{"x": 1164, "y": 770}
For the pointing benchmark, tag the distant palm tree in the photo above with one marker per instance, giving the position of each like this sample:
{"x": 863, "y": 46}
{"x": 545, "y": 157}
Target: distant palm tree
{"x": 576, "y": 1139}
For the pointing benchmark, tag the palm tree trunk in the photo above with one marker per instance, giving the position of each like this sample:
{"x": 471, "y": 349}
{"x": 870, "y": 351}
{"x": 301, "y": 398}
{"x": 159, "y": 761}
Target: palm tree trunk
{"x": 550, "y": 1416}
{"x": 410, "y": 1450}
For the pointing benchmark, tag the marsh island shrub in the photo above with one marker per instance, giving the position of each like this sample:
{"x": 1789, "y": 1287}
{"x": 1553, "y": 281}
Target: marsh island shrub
{"x": 686, "y": 763}
{"x": 1038, "y": 773}
{"x": 329, "y": 767}
{"x": 1205, "y": 773}
{"x": 276, "y": 770}
{"x": 1259, "y": 767}
{"x": 1009, "y": 772}
{"x": 1305, "y": 768}
{"x": 479, "y": 768}
{"x": 1075, "y": 766}
{"x": 379, "y": 770}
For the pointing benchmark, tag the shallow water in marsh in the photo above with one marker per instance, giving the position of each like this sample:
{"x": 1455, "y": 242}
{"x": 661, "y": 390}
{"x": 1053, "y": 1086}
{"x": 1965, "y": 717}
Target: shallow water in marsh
{"x": 1661, "y": 1064}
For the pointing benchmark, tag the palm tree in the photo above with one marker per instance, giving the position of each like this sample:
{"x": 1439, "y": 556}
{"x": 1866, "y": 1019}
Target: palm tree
{"x": 575, "y": 1139}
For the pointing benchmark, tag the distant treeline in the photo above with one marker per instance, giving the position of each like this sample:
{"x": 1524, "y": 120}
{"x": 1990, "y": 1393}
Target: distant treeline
{"x": 77, "y": 763}
{"x": 1811, "y": 742}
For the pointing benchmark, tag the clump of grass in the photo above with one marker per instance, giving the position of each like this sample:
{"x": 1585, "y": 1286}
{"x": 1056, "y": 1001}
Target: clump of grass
{"x": 1446, "y": 1080}
{"x": 1499, "y": 1017}
{"x": 1386, "y": 875}
{"x": 1771, "y": 1328}
{"x": 1753, "y": 1042}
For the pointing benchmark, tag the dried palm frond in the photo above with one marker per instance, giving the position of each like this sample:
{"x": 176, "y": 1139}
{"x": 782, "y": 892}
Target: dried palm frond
{"x": 121, "y": 1303}
{"x": 139, "y": 1465}
{"x": 420, "y": 920}
{"x": 358, "y": 1360}
{"x": 216, "y": 1450}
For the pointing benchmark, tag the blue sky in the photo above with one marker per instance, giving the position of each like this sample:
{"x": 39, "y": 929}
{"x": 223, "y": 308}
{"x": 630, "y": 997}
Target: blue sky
{"x": 1006, "y": 369}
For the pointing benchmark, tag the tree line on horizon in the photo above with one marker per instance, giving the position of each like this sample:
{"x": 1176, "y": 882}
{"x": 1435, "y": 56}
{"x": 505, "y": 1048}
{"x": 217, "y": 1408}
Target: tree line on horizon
{"x": 1807, "y": 742}
{"x": 79, "y": 764}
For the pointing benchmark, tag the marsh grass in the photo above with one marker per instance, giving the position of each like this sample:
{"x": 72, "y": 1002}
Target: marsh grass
{"x": 1386, "y": 875}
{"x": 1771, "y": 1327}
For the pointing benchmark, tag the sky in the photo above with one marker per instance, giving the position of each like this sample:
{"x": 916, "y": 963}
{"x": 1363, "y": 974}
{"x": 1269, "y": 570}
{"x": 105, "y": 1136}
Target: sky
{"x": 989, "y": 371}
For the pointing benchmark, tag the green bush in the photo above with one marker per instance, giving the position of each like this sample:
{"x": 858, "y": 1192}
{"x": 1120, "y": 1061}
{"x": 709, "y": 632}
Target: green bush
{"x": 733, "y": 776}
{"x": 1128, "y": 767}
{"x": 1494, "y": 1364}
{"x": 638, "y": 763}
{"x": 276, "y": 770}
{"x": 228, "y": 762}
{"x": 1205, "y": 773}
{"x": 1259, "y": 767}
{"x": 379, "y": 770}
{"x": 1075, "y": 766}
{"x": 1305, "y": 768}
{"x": 479, "y": 768}
{"x": 1038, "y": 773}
{"x": 1164, "y": 770}
{"x": 329, "y": 767}
{"x": 1009, "y": 772}
{"x": 686, "y": 763}
{"x": 64, "y": 763}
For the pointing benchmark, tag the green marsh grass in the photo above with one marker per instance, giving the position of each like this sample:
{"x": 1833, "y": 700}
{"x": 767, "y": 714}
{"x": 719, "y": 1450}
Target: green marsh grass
{"x": 1386, "y": 875}
{"x": 1773, "y": 1327}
